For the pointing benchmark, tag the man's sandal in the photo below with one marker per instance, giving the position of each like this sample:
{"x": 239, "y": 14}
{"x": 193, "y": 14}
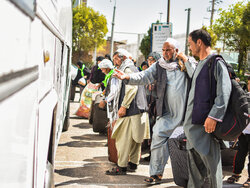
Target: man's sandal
{"x": 247, "y": 183}
{"x": 153, "y": 179}
{"x": 233, "y": 179}
{"x": 116, "y": 171}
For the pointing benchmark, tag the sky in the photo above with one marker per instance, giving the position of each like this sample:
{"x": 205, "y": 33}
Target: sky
{"x": 136, "y": 16}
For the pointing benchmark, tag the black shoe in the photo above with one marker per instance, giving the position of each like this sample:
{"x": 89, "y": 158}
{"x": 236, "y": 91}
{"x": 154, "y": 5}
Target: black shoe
{"x": 131, "y": 167}
{"x": 117, "y": 171}
{"x": 146, "y": 158}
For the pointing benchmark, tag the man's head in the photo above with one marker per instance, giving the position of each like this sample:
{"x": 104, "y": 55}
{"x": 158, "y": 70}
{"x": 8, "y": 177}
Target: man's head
{"x": 198, "y": 39}
{"x": 119, "y": 56}
{"x": 107, "y": 56}
{"x": 79, "y": 64}
{"x": 153, "y": 57}
{"x": 106, "y": 65}
{"x": 144, "y": 65}
{"x": 170, "y": 49}
{"x": 99, "y": 59}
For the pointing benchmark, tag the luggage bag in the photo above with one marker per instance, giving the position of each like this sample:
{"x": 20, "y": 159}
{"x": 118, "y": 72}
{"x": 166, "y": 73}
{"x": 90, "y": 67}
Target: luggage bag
{"x": 179, "y": 156}
{"x": 98, "y": 116}
{"x": 112, "y": 152}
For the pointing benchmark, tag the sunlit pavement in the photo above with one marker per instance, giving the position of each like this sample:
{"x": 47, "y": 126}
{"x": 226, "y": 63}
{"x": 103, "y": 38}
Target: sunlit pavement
{"x": 81, "y": 161}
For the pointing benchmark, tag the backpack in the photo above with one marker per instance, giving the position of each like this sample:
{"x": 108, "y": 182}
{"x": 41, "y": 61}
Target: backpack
{"x": 236, "y": 117}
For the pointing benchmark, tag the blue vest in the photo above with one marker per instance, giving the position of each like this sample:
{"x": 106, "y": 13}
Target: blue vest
{"x": 203, "y": 94}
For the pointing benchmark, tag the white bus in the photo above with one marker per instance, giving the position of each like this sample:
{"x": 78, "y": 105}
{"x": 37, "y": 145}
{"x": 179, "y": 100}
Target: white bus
{"x": 35, "y": 59}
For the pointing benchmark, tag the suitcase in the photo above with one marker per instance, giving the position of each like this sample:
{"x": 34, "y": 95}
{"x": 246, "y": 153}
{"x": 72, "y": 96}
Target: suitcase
{"x": 178, "y": 156}
{"x": 228, "y": 155}
{"x": 98, "y": 116}
{"x": 112, "y": 152}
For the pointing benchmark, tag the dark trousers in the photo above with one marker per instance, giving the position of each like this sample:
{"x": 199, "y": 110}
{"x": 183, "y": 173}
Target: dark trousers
{"x": 243, "y": 151}
{"x": 73, "y": 90}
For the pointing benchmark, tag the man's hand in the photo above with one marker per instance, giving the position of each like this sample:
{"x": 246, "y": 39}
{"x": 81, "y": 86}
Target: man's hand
{"x": 121, "y": 75}
{"x": 210, "y": 125}
{"x": 122, "y": 111}
{"x": 102, "y": 104}
{"x": 182, "y": 57}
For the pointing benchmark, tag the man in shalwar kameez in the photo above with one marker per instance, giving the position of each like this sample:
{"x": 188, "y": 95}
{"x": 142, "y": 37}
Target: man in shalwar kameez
{"x": 204, "y": 156}
{"x": 129, "y": 109}
{"x": 171, "y": 89}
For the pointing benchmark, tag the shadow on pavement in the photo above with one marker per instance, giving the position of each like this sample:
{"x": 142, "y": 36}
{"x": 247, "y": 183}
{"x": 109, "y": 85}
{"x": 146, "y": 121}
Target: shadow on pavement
{"x": 83, "y": 126}
{"x": 83, "y": 144}
{"x": 97, "y": 159}
{"x": 77, "y": 117}
{"x": 94, "y": 174}
{"x": 88, "y": 137}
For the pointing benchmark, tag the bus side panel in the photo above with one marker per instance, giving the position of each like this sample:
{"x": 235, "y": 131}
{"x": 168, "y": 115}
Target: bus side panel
{"x": 59, "y": 84}
{"x": 63, "y": 92}
{"x": 46, "y": 108}
{"x": 15, "y": 39}
{"x": 47, "y": 101}
{"x": 18, "y": 122}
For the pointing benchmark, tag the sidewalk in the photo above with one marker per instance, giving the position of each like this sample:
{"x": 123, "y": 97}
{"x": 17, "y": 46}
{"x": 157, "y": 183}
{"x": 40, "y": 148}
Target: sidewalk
{"x": 81, "y": 161}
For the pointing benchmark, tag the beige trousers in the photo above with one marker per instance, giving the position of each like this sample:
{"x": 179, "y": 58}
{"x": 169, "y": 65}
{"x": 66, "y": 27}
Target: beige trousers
{"x": 127, "y": 148}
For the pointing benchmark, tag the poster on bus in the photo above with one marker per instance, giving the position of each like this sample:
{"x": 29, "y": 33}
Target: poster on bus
{"x": 160, "y": 33}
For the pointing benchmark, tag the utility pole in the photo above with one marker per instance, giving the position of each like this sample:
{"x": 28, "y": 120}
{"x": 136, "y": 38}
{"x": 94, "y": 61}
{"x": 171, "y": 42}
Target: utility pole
{"x": 212, "y": 9}
{"x": 168, "y": 13}
{"x": 112, "y": 32}
{"x": 188, "y": 21}
{"x": 212, "y": 13}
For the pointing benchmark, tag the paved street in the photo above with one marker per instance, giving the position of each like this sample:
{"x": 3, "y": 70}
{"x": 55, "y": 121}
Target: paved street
{"x": 81, "y": 161}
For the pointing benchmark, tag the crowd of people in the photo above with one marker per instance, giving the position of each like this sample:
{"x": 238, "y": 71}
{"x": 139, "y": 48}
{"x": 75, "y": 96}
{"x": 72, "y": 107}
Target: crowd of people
{"x": 166, "y": 91}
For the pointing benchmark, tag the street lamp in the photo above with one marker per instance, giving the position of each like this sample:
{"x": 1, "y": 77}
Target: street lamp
{"x": 112, "y": 32}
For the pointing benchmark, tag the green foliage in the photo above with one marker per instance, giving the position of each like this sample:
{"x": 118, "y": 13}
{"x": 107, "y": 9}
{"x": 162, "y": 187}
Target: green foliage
{"x": 232, "y": 28}
{"x": 145, "y": 46}
{"x": 89, "y": 29}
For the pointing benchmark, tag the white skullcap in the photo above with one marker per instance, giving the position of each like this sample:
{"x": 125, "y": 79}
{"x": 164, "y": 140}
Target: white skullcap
{"x": 104, "y": 64}
{"x": 173, "y": 42}
{"x": 123, "y": 52}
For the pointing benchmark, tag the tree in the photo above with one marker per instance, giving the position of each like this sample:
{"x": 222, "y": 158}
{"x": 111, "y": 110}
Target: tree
{"x": 145, "y": 46}
{"x": 89, "y": 30}
{"x": 232, "y": 28}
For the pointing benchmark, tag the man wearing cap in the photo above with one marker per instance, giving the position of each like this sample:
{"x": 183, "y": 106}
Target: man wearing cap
{"x": 107, "y": 68}
{"x": 153, "y": 57}
{"x": 171, "y": 89}
{"x": 129, "y": 106}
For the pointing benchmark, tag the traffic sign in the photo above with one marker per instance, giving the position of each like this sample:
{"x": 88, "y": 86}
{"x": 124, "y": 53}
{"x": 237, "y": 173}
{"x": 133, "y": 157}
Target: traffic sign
{"x": 160, "y": 33}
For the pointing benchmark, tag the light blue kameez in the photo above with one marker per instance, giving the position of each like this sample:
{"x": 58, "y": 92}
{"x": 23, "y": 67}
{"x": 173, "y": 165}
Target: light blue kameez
{"x": 173, "y": 110}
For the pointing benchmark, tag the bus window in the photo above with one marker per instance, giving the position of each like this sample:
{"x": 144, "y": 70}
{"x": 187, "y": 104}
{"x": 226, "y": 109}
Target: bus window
{"x": 28, "y": 6}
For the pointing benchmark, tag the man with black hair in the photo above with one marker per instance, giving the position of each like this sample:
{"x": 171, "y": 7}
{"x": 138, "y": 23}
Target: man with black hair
{"x": 143, "y": 66}
{"x": 82, "y": 72}
{"x": 96, "y": 75}
{"x": 204, "y": 156}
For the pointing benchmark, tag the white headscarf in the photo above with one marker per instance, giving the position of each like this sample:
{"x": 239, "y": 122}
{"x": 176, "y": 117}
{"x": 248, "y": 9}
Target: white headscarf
{"x": 173, "y": 42}
{"x": 123, "y": 52}
{"x": 105, "y": 63}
